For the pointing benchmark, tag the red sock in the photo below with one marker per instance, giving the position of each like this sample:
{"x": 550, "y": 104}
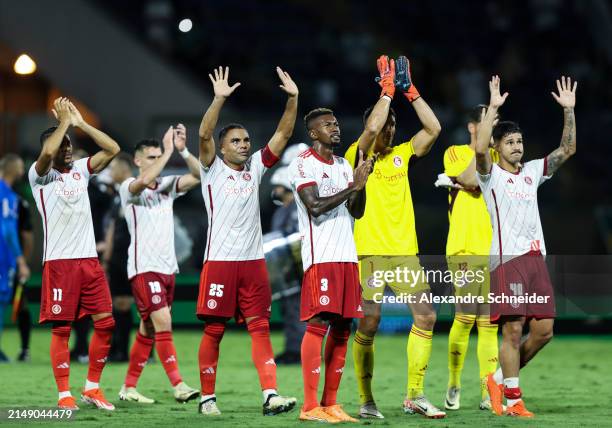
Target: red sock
{"x": 311, "y": 363}
{"x": 139, "y": 355}
{"x": 335, "y": 356}
{"x": 208, "y": 356}
{"x": 167, "y": 354}
{"x": 261, "y": 352}
{"x": 99, "y": 347}
{"x": 513, "y": 393}
{"x": 60, "y": 356}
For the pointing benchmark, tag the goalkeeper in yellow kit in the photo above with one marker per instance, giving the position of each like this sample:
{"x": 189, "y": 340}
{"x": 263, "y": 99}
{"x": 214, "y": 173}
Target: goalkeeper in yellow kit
{"x": 467, "y": 248}
{"x": 386, "y": 239}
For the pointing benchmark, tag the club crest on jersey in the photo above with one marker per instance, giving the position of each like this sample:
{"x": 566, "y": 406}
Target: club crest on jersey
{"x": 398, "y": 161}
{"x": 528, "y": 180}
{"x": 76, "y": 175}
{"x": 324, "y": 300}
{"x": 246, "y": 176}
{"x": 212, "y": 304}
{"x": 56, "y": 309}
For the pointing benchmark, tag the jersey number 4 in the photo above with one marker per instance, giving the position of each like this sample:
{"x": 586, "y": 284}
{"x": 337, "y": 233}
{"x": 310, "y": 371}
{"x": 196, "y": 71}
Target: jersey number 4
{"x": 216, "y": 290}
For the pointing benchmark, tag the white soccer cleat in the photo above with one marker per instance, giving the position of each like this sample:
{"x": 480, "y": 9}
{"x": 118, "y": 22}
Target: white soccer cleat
{"x": 453, "y": 398}
{"x": 183, "y": 392}
{"x": 276, "y": 404}
{"x": 422, "y": 406}
{"x": 131, "y": 394}
{"x": 370, "y": 411}
{"x": 209, "y": 407}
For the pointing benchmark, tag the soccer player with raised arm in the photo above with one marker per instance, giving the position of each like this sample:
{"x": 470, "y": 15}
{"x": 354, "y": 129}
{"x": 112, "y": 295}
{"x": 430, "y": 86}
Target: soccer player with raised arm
{"x": 73, "y": 282}
{"x": 234, "y": 280}
{"x": 510, "y": 189}
{"x": 467, "y": 248}
{"x": 386, "y": 240}
{"x": 147, "y": 201}
{"x": 329, "y": 195}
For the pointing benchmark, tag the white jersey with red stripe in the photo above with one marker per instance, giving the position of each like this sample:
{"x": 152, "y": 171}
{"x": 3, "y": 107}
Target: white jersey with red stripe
{"x": 63, "y": 204}
{"x": 150, "y": 220}
{"x": 231, "y": 198}
{"x": 512, "y": 202}
{"x": 328, "y": 237}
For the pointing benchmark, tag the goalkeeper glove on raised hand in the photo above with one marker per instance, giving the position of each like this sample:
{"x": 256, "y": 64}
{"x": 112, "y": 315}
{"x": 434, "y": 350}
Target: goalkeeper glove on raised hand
{"x": 403, "y": 80}
{"x": 386, "y": 79}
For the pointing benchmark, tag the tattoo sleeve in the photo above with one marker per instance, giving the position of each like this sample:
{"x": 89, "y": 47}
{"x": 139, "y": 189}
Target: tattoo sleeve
{"x": 568, "y": 143}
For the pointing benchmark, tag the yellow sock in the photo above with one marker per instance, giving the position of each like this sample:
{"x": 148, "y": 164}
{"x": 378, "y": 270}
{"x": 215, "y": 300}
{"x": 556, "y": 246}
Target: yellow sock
{"x": 458, "y": 340}
{"x": 363, "y": 358}
{"x": 487, "y": 350}
{"x": 419, "y": 351}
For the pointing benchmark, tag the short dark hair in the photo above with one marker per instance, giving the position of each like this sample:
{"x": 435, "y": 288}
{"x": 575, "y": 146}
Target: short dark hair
{"x": 147, "y": 142}
{"x": 313, "y": 114}
{"x": 474, "y": 115}
{"x": 8, "y": 159}
{"x": 47, "y": 133}
{"x": 227, "y": 128}
{"x": 369, "y": 110}
{"x": 504, "y": 128}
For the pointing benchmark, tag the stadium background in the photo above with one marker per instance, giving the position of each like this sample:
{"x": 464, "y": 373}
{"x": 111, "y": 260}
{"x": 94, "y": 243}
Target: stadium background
{"x": 133, "y": 72}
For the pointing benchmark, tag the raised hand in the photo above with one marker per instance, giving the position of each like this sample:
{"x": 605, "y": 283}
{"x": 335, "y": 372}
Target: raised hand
{"x": 180, "y": 137}
{"x": 386, "y": 78}
{"x": 362, "y": 171}
{"x": 75, "y": 115}
{"x": 288, "y": 85}
{"x": 61, "y": 110}
{"x": 220, "y": 82}
{"x": 497, "y": 100}
{"x": 167, "y": 141}
{"x": 567, "y": 93}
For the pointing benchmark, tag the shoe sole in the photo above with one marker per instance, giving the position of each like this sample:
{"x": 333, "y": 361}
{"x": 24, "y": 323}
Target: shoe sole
{"x": 278, "y": 410}
{"x": 450, "y": 406}
{"x": 410, "y": 411}
{"x": 370, "y": 416}
{"x": 190, "y": 397}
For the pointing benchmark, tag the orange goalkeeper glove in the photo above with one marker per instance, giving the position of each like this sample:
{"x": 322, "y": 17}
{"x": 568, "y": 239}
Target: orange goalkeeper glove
{"x": 386, "y": 80}
{"x": 403, "y": 79}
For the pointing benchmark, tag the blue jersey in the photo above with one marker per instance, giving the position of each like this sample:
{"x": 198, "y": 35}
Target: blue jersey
{"x": 9, "y": 220}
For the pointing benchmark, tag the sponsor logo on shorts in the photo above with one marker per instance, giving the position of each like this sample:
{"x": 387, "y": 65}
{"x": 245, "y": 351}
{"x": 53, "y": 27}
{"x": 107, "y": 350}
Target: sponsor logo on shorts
{"x": 212, "y": 304}
{"x": 56, "y": 309}
{"x": 324, "y": 300}
{"x": 528, "y": 180}
{"x": 156, "y": 299}
{"x": 398, "y": 161}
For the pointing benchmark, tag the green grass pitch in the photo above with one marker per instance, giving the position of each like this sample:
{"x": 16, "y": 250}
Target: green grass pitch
{"x": 567, "y": 384}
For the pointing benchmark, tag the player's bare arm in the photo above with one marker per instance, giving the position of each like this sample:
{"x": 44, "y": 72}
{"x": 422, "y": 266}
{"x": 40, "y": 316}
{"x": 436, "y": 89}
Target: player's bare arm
{"x": 284, "y": 130}
{"x": 222, "y": 90}
{"x": 148, "y": 176}
{"x": 467, "y": 179}
{"x": 357, "y": 201}
{"x": 52, "y": 144}
{"x": 109, "y": 147}
{"x": 187, "y": 181}
{"x": 567, "y": 100}
{"x": 424, "y": 139}
{"x": 483, "y": 157}
{"x": 377, "y": 119}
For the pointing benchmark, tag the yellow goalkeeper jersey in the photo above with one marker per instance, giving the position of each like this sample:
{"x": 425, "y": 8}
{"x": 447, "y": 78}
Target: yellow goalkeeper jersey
{"x": 387, "y": 227}
{"x": 469, "y": 230}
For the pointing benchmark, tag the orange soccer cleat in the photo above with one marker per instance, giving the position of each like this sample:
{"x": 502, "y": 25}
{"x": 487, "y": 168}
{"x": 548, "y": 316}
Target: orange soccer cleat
{"x": 318, "y": 415}
{"x": 496, "y": 393}
{"x": 519, "y": 410}
{"x": 96, "y": 397}
{"x": 67, "y": 403}
{"x": 337, "y": 412}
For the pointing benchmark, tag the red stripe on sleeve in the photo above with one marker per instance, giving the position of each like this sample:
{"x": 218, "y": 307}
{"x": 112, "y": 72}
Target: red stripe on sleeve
{"x": 268, "y": 158}
{"x": 89, "y": 168}
{"x": 545, "y": 166}
{"x": 304, "y": 185}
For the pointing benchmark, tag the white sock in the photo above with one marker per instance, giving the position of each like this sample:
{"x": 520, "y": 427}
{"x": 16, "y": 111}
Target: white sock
{"x": 498, "y": 376}
{"x": 64, "y": 394}
{"x": 207, "y": 397}
{"x": 91, "y": 385}
{"x": 511, "y": 382}
{"x": 267, "y": 393}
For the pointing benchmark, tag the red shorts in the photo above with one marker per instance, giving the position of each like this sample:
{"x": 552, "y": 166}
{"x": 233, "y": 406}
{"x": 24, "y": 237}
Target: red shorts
{"x": 152, "y": 291}
{"x": 526, "y": 274}
{"x": 333, "y": 288}
{"x": 239, "y": 289}
{"x": 73, "y": 288}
